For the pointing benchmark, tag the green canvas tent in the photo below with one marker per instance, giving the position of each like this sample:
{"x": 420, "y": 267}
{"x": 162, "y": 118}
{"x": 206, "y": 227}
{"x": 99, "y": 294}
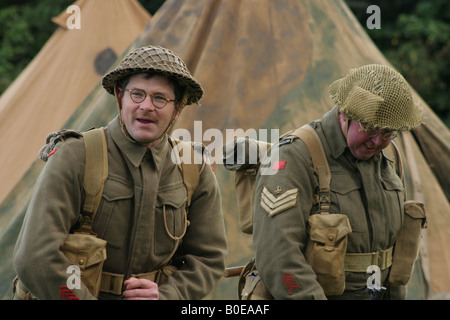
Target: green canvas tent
{"x": 267, "y": 64}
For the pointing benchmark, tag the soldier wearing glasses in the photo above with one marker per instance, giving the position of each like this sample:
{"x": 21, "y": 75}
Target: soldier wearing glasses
{"x": 372, "y": 104}
{"x": 142, "y": 213}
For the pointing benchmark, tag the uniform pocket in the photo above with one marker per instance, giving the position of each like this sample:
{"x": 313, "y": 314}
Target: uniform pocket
{"x": 170, "y": 217}
{"x": 346, "y": 197}
{"x": 114, "y": 212}
{"x": 394, "y": 199}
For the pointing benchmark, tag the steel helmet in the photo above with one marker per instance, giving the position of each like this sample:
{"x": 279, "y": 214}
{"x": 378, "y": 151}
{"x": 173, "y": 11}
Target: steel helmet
{"x": 154, "y": 58}
{"x": 377, "y": 96}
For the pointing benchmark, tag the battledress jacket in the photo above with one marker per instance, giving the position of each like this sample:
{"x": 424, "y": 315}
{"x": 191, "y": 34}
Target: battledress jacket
{"x": 369, "y": 192}
{"x": 140, "y": 182}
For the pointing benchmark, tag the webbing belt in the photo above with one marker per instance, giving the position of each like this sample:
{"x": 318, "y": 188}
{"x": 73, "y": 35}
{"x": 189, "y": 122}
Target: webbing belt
{"x": 112, "y": 282}
{"x": 359, "y": 262}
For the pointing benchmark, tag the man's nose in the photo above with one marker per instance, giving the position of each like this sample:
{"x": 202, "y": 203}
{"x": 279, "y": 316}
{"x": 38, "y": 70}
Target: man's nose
{"x": 147, "y": 104}
{"x": 377, "y": 140}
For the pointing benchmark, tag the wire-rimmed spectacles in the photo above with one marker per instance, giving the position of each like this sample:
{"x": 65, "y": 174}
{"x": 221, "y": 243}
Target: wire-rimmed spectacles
{"x": 372, "y": 133}
{"x": 139, "y": 95}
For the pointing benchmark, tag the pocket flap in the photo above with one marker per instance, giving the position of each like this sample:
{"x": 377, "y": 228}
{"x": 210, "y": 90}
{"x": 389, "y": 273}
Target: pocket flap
{"x": 115, "y": 190}
{"x": 415, "y": 209}
{"x": 175, "y": 197}
{"x": 320, "y": 225}
{"x": 86, "y": 247}
{"x": 342, "y": 184}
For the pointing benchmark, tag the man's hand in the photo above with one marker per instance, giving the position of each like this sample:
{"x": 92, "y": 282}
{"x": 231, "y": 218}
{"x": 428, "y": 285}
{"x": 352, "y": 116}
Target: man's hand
{"x": 140, "y": 289}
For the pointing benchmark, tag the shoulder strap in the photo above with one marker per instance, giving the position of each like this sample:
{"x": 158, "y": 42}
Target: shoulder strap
{"x": 189, "y": 171}
{"x": 95, "y": 173}
{"x": 320, "y": 163}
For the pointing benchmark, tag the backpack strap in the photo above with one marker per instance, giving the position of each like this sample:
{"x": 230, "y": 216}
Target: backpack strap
{"x": 95, "y": 174}
{"x": 189, "y": 171}
{"x": 312, "y": 141}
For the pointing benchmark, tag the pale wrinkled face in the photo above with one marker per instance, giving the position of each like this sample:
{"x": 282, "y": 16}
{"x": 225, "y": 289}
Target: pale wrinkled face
{"x": 361, "y": 146}
{"x": 143, "y": 121}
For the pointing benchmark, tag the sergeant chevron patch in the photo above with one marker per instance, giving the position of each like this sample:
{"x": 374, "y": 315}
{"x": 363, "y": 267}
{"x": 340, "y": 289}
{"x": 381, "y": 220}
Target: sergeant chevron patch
{"x": 275, "y": 204}
{"x": 67, "y": 294}
{"x": 290, "y": 283}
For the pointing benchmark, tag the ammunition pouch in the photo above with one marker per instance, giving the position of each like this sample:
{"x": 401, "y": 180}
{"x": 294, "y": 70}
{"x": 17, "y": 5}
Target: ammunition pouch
{"x": 89, "y": 254}
{"x": 326, "y": 250}
{"x": 85, "y": 251}
{"x": 250, "y": 286}
{"x": 406, "y": 247}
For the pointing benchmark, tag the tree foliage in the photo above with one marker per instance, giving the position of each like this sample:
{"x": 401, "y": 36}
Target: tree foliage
{"x": 414, "y": 37}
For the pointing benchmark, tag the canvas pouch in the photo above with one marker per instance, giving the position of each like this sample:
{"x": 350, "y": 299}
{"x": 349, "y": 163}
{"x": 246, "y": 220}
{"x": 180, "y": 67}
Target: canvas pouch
{"x": 326, "y": 250}
{"x": 407, "y": 244}
{"x": 89, "y": 254}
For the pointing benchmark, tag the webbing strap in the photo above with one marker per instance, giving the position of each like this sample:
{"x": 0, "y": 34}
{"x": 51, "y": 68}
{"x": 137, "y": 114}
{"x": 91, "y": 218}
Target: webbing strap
{"x": 320, "y": 163}
{"x": 359, "y": 262}
{"x": 96, "y": 169}
{"x": 190, "y": 171}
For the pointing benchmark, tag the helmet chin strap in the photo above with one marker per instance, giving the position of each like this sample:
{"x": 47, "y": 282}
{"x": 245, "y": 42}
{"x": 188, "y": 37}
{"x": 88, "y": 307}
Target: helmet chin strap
{"x": 125, "y": 131}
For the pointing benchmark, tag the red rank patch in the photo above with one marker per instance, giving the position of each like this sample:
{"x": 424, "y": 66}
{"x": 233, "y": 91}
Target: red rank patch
{"x": 289, "y": 282}
{"x": 279, "y": 165}
{"x": 67, "y": 294}
{"x": 53, "y": 151}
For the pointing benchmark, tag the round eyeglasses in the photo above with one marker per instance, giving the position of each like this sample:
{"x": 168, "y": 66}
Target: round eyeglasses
{"x": 372, "y": 133}
{"x": 139, "y": 95}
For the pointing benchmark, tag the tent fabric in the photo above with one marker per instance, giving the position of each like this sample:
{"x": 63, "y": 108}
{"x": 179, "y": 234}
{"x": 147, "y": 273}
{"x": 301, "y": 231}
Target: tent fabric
{"x": 57, "y": 80}
{"x": 267, "y": 65}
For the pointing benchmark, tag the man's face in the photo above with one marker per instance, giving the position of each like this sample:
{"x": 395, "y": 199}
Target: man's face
{"x": 142, "y": 120}
{"x": 361, "y": 146}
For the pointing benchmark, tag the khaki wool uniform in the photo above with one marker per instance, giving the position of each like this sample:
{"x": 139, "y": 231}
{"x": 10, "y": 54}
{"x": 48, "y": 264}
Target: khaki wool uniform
{"x": 141, "y": 183}
{"x": 368, "y": 192}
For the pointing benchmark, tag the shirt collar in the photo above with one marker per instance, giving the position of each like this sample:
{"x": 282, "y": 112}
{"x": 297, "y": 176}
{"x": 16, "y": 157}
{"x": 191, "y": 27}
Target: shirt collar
{"x": 135, "y": 152}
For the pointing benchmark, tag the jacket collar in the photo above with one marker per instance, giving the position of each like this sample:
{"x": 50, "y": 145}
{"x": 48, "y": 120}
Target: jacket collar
{"x": 333, "y": 133}
{"x": 136, "y": 152}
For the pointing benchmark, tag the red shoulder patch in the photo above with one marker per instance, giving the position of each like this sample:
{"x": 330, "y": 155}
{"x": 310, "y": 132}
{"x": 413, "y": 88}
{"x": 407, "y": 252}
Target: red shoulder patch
{"x": 279, "y": 165}
{"x": 53, "y": 151}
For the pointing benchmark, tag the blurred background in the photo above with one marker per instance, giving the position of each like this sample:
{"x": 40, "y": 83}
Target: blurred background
{"x": 414, "y": 37}
{"x": 49, "y": 79}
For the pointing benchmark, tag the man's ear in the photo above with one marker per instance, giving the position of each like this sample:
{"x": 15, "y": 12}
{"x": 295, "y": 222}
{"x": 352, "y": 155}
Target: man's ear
{"x": 343, "y": 122}
{"x": 118, "y": 92}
